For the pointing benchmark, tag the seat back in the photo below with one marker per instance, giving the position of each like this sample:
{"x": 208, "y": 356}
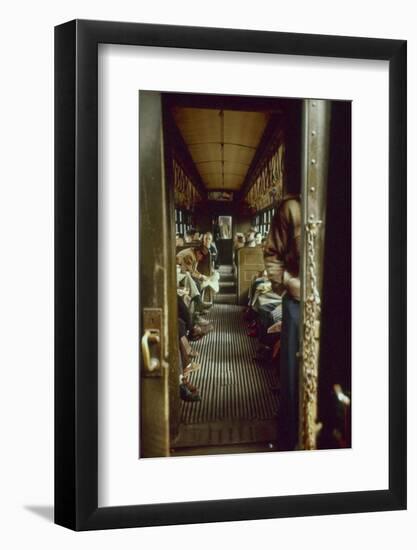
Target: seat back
{"x": 250, "y": 262}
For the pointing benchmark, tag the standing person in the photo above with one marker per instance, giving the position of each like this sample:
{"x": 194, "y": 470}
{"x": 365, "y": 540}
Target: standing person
{"x": 282, "y": 262}
{"x": 211, "y": 246}
{"x": 225, "y": 231}
{"x": 216, "y": 230}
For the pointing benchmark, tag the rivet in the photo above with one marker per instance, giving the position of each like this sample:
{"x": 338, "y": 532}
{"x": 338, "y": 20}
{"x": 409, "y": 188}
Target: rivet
{"x": 313, "y": 161}
{"x": 313, "y": 104}
{"x": 313, "y": 132}
{"x": 311, "y": 217}
{"x": 312, "y": 189}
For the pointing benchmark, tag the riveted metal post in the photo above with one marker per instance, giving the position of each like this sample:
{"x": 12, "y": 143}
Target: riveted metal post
{"x": 315, "y": 150}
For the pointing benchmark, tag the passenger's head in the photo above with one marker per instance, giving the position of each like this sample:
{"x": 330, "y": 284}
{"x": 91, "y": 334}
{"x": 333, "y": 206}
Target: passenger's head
{"x": 196, "y": 236}
{"x": 250, "y": 239}
{"x": 258, "y": 238}
{"x": 207, "y": 239}
{"x": 240, "y": 240}
{"x": 179, "y": 240}
{"x": 189, "y": 236}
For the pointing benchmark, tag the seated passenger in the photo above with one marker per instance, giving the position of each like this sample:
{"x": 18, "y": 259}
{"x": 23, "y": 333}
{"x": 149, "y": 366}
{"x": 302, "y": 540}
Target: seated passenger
{"x": 264, "y": 316}
{"x": 239, "y": 241}
{"x": 250, "y": 239}
{"x": 258, "y": 279}
{"x": 188, "y": 260}
{"x": 238, "y": 244}
{"x": 258, "y": 239}
{"x": 188, "y": 236}
{"x": 196, "y": 237}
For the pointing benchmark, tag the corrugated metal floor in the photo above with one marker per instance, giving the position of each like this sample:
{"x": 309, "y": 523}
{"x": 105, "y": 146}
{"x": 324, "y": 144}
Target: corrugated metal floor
{"x": 237, "y": 404}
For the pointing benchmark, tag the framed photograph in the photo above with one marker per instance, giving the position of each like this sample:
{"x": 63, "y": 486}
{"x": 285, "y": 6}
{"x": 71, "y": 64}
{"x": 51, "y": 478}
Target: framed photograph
{"x": 230, "y": 254}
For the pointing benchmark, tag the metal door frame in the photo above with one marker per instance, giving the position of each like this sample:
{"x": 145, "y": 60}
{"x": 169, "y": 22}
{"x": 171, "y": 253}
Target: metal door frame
{"x": 315, "y": 160}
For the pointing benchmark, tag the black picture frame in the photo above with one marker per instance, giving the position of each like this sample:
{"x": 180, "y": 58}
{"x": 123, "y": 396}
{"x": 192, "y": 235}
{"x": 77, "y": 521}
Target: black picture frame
{"x": 76, "y": 269}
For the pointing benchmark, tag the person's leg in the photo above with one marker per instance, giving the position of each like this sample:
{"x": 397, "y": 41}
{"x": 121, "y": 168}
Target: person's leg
{"x": 188, "y": 392}
{"x": 184, "y": 314}
{"x": 288, "y": 405}
{"x": 190, "y": 283}
{"x": 194, "y": 330}
{"x": 197, "y": 284}
{"x": 182, "y": 329}
{"x": 197, "y": 300}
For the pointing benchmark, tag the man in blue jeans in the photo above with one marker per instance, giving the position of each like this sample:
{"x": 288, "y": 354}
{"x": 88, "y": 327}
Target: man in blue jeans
{"x": 282, "y": 262}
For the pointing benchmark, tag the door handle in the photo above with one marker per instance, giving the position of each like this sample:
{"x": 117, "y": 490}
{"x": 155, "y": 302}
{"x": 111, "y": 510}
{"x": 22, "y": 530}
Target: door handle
{"x": 151, "y": 336}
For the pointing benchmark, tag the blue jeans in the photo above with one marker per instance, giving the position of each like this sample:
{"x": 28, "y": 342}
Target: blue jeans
{"x": 289, "y": 393}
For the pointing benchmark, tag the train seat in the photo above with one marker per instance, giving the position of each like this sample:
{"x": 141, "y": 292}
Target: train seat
{"x": 250, "y": 262}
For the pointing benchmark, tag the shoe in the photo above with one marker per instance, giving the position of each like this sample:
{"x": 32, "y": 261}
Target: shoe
{"x": 202, "y": 329}
{"x": 193, "y": 389}
{"x": 195, "y": 334}
{"x": 192, "y": 367}
{"x": 207, "y": 328}
{"x": 266, "y": 364}
{"x": 199, "y": 331}
{"x": 187, "y": 395}
{"x": 200, "y": 321}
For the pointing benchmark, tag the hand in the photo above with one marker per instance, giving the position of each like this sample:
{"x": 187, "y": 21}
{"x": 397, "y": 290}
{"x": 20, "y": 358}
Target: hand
{"x": 278, "y": 288}
{"x": 204, "y": 277}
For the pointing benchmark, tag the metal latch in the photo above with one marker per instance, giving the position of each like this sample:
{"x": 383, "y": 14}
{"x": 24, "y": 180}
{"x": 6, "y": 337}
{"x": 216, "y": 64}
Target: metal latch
{"x": 151, "y": 341}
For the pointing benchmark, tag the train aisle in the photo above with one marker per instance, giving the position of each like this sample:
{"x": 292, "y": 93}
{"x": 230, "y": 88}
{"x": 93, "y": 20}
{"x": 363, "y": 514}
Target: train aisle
{"x": 237, "y": 404}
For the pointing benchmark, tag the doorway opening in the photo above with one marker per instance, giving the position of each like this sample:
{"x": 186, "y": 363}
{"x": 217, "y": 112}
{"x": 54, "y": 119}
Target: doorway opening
{"x": 229, "y": 164}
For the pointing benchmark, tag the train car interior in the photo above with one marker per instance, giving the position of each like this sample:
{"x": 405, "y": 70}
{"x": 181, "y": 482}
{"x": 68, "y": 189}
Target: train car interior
{"x": 213, "y": 170}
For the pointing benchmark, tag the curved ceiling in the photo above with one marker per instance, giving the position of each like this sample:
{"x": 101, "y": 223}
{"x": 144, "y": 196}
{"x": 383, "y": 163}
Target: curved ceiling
{"x": 222, "y": 143}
